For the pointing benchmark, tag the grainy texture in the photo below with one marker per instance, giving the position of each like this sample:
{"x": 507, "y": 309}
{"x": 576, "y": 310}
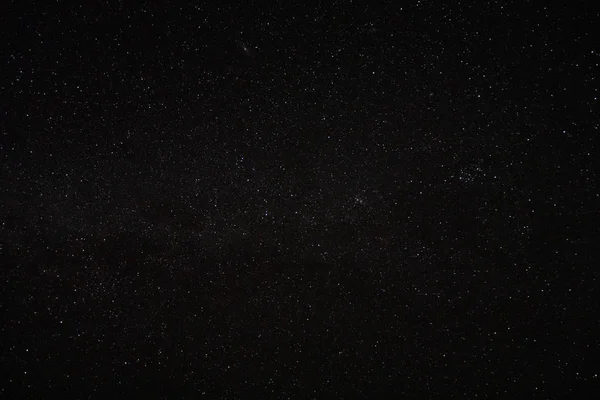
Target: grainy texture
{"x": 281, "y": 201}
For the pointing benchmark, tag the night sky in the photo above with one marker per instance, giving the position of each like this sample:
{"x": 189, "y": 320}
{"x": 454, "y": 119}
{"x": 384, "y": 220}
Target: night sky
{"x": 287, "y": 201}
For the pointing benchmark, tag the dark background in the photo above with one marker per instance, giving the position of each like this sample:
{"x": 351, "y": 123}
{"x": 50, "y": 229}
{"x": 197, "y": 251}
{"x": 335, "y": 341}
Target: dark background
{"x": 282, "y": 201}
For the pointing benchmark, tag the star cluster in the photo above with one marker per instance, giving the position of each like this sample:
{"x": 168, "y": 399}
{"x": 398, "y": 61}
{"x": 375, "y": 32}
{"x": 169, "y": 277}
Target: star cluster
{"x": 285, "y": 201}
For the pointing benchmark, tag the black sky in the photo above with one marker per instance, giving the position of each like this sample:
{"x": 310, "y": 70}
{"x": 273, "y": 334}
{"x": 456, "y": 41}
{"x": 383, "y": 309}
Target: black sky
{"x": 282, "y": 201}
